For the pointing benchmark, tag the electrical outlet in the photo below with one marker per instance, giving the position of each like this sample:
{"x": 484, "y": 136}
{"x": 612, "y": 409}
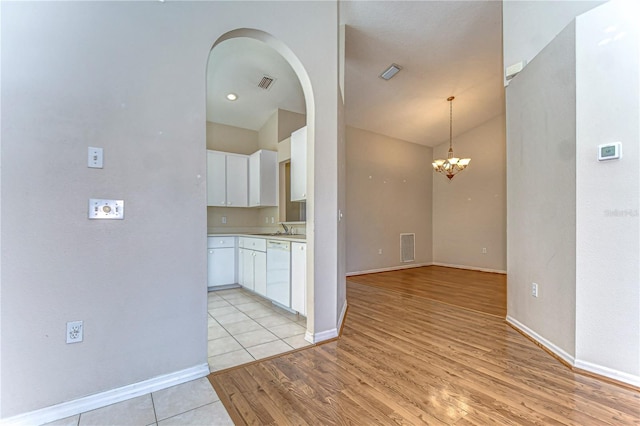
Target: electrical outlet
{"x": 484, "y": 250}
{"x": 75, "y": 332}
{"x": 224, "y": 219}
{"x": 534, "y": 289}
{"x": 379, "y": 251}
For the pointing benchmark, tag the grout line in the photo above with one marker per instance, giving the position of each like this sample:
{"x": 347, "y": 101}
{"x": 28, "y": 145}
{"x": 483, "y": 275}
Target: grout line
{"x": 153, "y": 404}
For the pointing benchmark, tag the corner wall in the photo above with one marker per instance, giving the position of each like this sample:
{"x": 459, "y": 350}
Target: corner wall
{"x": 608, "y": 193}
{"x": 541, "y": 195}
{"x": 469, "y": 212}
{"x": 388, "y": 193}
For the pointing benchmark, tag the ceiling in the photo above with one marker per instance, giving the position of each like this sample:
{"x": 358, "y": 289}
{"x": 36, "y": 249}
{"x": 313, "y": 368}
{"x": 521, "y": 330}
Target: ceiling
{"x": 445, "y": 48}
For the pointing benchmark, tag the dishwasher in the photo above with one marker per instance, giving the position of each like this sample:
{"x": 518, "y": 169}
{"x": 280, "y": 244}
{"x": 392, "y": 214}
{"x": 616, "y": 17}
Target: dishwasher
{"x": 278, "y": 272}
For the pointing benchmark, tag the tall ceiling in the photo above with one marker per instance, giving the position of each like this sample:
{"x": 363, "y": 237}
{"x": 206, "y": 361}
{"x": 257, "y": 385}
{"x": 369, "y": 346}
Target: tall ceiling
{"x": 445, "y": 48}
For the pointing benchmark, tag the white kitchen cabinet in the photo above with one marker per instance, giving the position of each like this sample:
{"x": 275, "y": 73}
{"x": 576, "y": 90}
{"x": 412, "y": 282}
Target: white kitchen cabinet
{"x": 263, "y": 178}
{"x": 221, "y": 259}
{"x": 299, "y": 165}
{"x": 299, "y": 277}
{"x": 252, "y": 264}
{"x": 260, "y": 273}
{"x": 227, "y": 179}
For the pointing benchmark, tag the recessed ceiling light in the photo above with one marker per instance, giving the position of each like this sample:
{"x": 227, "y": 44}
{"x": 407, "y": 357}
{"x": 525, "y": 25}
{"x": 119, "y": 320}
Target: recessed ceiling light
{"x": 390, "y": 72}
{"x": 232, "y": 96}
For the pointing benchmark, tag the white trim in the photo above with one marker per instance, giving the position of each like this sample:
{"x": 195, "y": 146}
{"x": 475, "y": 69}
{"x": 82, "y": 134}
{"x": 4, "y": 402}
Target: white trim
{"x": 91, "y": 402}
{"x": 472, "y": 268}
{"x": 544, "y": 342}
{"x": 322, "y": 336}
{"x": 342, "y": 315}
{"x": 391, "y": 268}
{"x": 620, "y": 376}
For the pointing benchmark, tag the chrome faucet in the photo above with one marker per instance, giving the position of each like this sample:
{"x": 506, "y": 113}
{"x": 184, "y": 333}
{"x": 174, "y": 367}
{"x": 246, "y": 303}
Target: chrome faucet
{"x": 286, "y": 228}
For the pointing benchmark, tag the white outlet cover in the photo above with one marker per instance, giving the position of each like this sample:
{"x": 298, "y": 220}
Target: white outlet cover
{"x": 75, "y": 332}
{"x": 106, "y": 209}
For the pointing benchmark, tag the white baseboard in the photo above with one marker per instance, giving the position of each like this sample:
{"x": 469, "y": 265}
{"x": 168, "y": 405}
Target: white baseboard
{"x": 472, "y": 268}
{"x": 391, "y": 268}
{"x": 343, "y": 312}
{"x": 322, "y": 336}
{"x": 588, "y": 367}
{"x": 544, "y": 342}
{"x": 99, "y": 400}
{"x": 599, "y": 370}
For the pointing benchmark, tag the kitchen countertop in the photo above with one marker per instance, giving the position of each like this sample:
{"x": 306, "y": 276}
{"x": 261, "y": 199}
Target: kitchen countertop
{"x": 283, "y": 237}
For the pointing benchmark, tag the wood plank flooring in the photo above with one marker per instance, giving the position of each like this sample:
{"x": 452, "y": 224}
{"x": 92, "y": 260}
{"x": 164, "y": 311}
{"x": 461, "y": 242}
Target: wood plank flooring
{"x": 407, "y": 359}
{"x": 479, "y": 291}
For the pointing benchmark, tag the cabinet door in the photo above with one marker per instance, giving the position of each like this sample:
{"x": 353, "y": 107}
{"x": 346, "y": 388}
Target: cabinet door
{"x": 299, "y": 165}
{"x": 263, "y": 178}
{"x": 247, "y": 269}
{"x": 220, "y": 266}
{"x": 237, "y": 181}
{"x": 299, "y": 277}
{"x": 241, "y": 259}
{"x": 216, "y": 179}
{"x": 260, "y": 273}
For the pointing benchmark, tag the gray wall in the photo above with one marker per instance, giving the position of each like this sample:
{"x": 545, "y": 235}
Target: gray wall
{"x": 129, "y": 77}
{"x": 388, "y": 193}
{"x": 541, "y": 193}
{"x": 608, "y": 194}
{"x": 469, "y": 212}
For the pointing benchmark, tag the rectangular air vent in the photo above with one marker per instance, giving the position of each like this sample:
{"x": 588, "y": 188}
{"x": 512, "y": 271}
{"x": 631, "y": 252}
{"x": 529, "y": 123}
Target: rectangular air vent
{"x": 266, "y": 82}
{"x": 408, "y": 247}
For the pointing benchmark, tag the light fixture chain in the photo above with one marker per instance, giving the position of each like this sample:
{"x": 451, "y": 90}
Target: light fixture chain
{"x": 451, "y": 124}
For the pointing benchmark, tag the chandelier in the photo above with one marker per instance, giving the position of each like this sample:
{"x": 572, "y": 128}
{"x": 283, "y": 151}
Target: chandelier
{"x": 452, "y": 165}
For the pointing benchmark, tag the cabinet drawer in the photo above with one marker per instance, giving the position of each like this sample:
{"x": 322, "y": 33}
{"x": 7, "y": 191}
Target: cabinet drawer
{"x": 221, "y": 242}
{"x": 259, "y": 244}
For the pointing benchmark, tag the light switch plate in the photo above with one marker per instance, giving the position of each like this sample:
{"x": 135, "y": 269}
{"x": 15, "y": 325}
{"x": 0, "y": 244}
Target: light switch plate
{"x": 95, "y": 158}
{"x": 106, "y": 209}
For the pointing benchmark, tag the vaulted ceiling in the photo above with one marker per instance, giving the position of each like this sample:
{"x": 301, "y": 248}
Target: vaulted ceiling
{"x": 445, "y": 48}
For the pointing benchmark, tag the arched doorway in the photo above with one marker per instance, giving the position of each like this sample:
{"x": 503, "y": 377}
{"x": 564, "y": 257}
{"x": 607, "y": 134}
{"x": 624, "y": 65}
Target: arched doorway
{"x": 230, "y": 341}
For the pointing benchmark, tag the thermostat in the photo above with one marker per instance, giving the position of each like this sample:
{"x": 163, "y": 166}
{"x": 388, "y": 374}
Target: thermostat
{"x": 609, "y": 151}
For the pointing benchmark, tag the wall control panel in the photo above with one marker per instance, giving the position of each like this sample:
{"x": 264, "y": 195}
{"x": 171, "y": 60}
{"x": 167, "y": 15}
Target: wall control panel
{"x": 609, "y": 151}
{"x": 106, "y": 209}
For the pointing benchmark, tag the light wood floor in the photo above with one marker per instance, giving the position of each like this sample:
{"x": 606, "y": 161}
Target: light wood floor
{"x": 407, "y": 359}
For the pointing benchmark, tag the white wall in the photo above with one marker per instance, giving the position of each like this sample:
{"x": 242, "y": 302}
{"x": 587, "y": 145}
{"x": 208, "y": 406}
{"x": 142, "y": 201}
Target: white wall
{"x": 129, "y": 77}
{"x": 528, "y": 26}
{"x": 541, "y": 193}
{"x": 469, "y": 212}
{"x": 608, "y": 234}
{"x": 388, "y": 193}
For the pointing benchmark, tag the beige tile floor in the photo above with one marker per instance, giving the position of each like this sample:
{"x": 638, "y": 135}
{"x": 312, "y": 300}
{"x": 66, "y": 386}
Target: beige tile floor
{"x": 244, "y": 327}
{"x": 191, "y": 403}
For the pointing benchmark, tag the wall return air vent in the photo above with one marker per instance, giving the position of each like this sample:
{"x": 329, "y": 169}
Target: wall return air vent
{"x": 408, "y": 247}
{"x": 266, "y": 82}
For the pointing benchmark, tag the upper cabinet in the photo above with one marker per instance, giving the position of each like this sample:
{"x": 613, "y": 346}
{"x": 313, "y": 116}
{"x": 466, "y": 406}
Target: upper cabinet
{"x": 227, "y": 179}
{"x": 299, "y": 165}
{"x": 237, "y": 180}
{"x": 263, "y": 179}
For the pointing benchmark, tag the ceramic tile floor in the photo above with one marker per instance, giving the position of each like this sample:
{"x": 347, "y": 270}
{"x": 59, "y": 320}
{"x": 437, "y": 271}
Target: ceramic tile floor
{"x": 191, "y": 403}
{"x": 244, "y": 327}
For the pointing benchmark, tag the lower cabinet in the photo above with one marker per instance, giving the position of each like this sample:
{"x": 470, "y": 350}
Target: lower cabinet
{"x": 299, "y": 277}
{"x": 221, "y": 259}
{"x": 252, "y": 265}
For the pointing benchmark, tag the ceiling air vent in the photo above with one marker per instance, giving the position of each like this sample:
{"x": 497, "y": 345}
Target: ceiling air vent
{"x": 266, "y": 82}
